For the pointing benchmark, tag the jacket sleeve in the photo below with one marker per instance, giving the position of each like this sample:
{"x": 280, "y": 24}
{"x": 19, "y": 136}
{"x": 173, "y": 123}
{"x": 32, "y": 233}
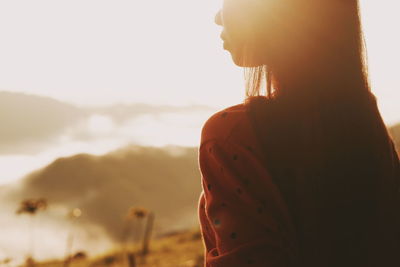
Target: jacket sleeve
{"x": 249, "y": 221}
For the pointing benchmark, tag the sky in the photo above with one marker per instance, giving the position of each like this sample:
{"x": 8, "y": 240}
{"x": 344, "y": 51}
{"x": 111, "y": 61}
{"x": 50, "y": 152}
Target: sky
{"x": 96, "y": 52}
{"x": 101, "y": 52}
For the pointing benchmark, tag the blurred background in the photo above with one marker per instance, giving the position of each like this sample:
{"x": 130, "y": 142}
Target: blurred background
{"x": 101, "y": 108}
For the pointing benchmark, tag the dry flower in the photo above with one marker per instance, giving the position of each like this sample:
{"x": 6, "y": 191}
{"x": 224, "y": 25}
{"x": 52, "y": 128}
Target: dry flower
{"x": 31, "y": 206}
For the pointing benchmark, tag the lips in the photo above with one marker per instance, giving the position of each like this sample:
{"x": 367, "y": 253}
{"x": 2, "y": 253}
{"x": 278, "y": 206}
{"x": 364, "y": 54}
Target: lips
{"x": 223, "y": 36}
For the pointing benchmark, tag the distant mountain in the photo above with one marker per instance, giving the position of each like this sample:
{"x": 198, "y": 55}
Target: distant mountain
{"x": 27, "y": 121}
{"x": 164, "y": 180}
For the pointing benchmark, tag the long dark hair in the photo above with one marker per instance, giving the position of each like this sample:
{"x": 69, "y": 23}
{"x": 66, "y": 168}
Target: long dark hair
{"x": 324, "y": 140}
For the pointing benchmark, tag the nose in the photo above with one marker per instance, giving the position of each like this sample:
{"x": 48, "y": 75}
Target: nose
{"x": 218, "y": 19}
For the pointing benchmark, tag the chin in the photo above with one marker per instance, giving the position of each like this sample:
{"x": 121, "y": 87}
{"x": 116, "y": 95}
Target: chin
{"x": 238, "y": 60}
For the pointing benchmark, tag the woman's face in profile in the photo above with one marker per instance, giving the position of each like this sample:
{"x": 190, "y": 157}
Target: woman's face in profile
{"x": 239, "y": 20}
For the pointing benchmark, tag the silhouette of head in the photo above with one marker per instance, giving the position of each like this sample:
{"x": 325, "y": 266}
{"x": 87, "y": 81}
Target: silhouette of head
{"x": 295, "y": 43}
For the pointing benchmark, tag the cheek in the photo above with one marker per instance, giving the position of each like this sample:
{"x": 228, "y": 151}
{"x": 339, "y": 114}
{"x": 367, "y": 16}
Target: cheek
{"x": 238, "y": 21}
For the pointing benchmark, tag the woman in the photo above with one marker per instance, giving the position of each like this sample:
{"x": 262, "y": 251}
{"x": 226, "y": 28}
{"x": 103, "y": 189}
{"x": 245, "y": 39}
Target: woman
{"x": 303, "y": 172}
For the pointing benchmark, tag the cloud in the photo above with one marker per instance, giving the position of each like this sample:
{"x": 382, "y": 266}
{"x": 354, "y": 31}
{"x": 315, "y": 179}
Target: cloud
{"x": 123, "y": 112}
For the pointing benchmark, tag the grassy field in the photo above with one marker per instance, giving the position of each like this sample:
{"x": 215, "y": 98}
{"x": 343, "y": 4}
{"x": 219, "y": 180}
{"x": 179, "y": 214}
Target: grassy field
{"x": 181, "y": 249}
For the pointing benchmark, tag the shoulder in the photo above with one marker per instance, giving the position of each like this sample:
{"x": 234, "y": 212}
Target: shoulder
{"x": 221, "y": 124}
{"x": 225, "y": 124}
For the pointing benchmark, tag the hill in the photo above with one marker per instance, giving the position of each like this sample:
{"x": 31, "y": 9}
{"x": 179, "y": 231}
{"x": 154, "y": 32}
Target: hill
{"x": 163, "y": 180}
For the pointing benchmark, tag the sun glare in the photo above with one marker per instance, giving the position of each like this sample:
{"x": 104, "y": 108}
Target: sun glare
{"x": 95, "y": 76}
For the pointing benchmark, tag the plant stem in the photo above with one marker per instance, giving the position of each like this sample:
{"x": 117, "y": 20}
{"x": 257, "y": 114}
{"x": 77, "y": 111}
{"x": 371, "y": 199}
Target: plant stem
{"x": 147, "y": 233}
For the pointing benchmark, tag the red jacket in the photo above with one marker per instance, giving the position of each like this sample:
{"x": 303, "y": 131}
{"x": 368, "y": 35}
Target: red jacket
{"x": 244, "y": 219}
